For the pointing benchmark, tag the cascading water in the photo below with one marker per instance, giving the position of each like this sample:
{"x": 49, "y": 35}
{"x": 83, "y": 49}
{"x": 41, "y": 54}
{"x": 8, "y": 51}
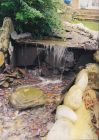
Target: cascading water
{"x": 59, "y": 58}
{"x": 39, "y": 65}
{"x": 10, "y": 50}
{"x": 59, "y": 54}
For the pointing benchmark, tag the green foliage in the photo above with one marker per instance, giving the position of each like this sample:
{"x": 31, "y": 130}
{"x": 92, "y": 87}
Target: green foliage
{"x": 27, "y": 12}
{"x": 37, "y": 16}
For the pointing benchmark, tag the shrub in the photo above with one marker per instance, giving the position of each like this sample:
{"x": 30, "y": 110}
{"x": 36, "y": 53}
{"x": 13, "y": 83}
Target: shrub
{"x": 37, "y": 16}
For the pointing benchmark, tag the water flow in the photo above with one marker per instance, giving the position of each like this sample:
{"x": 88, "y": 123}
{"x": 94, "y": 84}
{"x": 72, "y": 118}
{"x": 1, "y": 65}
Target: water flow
{"x": 46, "y": 81}
{"x": 65, "y": 59}
{"x": 38, "y": 61}
{"x": 59, "y": 53}
{"x": 59, "y": 57}
{"x": 10, "y": 49}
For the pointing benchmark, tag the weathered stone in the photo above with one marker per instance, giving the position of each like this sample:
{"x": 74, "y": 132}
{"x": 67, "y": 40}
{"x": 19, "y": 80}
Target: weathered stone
{"x": 15, "y": 36}
{"x": 94, "y": 80}
{"x": 1, "y": 58}
{"x": 26, "y": 97}
{"x": 96, "y": 56}
{"x": 6, "y": 29}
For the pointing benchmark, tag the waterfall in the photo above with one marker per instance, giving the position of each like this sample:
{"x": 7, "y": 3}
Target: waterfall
{"x": 59, "y": 57}
{"x": 10, "y": 50}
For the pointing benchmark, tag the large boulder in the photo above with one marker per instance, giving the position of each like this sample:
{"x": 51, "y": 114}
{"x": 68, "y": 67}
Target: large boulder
{"x": 73, "y": 97}
{"x": 27, "y": 97}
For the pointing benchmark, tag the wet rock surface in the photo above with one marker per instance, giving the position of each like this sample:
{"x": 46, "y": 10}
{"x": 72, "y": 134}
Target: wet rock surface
{"x": 33, "y": 123}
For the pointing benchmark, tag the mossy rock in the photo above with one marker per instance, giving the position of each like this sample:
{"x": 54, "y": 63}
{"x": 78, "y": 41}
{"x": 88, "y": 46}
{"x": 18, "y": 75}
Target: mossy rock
{"x": 27, "y": 97}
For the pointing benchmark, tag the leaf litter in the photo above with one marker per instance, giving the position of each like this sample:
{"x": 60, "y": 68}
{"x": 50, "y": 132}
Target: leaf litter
{"x": 33, "y": 123}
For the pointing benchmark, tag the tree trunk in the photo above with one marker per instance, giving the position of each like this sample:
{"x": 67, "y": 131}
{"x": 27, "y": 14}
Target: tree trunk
{"x": 5, "y": 32}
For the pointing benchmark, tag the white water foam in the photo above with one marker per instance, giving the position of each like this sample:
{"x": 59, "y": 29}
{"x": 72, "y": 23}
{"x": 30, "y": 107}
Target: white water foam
{"x": 49, "y": 81}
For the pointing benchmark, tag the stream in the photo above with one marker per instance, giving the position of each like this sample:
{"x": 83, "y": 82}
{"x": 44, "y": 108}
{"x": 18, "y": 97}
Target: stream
{"x": 31, "y": 124}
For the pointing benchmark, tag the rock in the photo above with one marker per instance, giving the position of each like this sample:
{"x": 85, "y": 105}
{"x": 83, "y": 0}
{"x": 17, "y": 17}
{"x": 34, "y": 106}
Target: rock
{"x": 9, "y": 78}
{"x": 61, "y": 130}
{"x": 96, "y": 56}
{"x": 96, "y": 112}
{"x": 6, "y": 29}
{"x": 82, "y": 79}
{"x": 93, "y": 75}
{"x": 89, "y": 98}
{"x": 64, "y": 112}
{"x": 73, "y": 97}
{"x": 26, "y": 97}
{"x": 94, "y": 81}
{"x": 83, "y": 129}
{"x": 1, "y": 58}
{"x": 16, "y": 36}
{"x": 92, "y": 68}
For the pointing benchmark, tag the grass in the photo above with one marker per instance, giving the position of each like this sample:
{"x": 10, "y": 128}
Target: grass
{"x": 89, "y": 24}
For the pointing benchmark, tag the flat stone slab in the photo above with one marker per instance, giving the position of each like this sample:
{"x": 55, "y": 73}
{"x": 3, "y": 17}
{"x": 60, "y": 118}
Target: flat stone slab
{"x": 72, "y": 38}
